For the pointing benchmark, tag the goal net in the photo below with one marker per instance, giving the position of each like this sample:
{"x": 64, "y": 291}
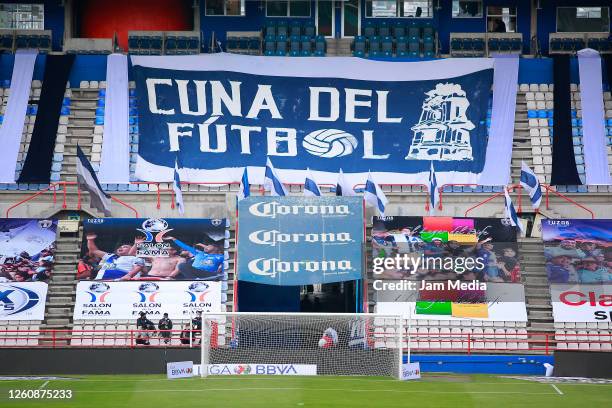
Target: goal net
{"x": 302, "y": 344}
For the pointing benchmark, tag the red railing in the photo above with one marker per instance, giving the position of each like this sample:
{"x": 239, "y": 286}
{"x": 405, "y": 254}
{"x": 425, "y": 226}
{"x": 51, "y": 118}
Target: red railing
{"x": 62, "y": 187}
{"x": 547, "y": 188}
{"x": 430, "y": 342}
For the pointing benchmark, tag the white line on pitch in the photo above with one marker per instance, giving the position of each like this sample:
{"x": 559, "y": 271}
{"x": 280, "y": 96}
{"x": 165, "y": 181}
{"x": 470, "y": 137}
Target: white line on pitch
{"x": 317, "y": 389}
{"x": 556, "y": 389}
{"x": 44, "y": 385}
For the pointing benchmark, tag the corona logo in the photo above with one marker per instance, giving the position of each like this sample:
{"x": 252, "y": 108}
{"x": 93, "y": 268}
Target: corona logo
{"x": 274, "y": 237}
{"x": 273, "y": 209}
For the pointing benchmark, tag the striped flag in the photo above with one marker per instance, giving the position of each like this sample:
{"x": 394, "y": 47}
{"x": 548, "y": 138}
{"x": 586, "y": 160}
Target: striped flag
{"x": 88, "y": 181}
{"x": 245, "y": 187}
{"x": 511, "y": 212}
{"x": 272, "y": 182}
{"x": 433, "y": 190}
{"x": 311, "y": 189}
{"x": 374, "y": 196}
{"x": 176, "y": 186}
{"x": 531, "y": 184}
{"x": 343, "y": 188}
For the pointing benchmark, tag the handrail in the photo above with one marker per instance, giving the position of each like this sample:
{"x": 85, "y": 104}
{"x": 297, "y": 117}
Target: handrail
{"x": 509, "y": 189}
{"x": 469, "y": 342}
{"x": 425, "y": 186}
{"x": 63, "y": 184}
{"x": 549, "y": 190}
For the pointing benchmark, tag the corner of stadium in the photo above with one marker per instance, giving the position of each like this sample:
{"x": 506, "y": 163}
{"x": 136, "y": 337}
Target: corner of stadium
{"x": 349, "y": 203}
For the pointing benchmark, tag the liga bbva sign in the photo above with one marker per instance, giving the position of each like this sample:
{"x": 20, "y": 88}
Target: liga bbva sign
{"x": 125, "y": 300}
{"x": 221, "y": 113}
{"x": 300, "y": 240}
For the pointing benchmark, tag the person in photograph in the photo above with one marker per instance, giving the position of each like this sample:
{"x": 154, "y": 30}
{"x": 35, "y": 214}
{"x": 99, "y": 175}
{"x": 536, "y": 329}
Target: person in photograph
{"x": 491, "y": 271}
{"x": 565, "y": 247}
{"x": 434, "y": 249}
{"x": 589, "y": 271}
{"x": 509, "y": 265}
{"x": 589, "y": 249}
{"x": 86, "y": 267}
{"x": 558, "y": 269}
{"x": 162, "y": 267}
{"x": 206, "y": 263}
{"x": 114, "y": 265}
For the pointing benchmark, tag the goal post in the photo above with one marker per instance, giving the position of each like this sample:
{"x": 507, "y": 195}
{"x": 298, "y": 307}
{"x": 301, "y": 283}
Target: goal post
{"x": 303, "y": 344}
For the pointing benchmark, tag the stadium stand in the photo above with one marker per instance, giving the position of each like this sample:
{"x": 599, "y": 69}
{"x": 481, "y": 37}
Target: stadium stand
{"x": 82, "y": 124}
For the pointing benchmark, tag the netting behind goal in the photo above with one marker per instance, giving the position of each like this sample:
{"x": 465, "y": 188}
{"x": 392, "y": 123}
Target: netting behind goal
{"x": 337, "y": 344}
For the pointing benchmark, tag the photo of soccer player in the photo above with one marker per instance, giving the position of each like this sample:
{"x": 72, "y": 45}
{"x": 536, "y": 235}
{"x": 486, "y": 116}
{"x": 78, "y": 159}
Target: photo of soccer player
{"x": 153, "y": 249}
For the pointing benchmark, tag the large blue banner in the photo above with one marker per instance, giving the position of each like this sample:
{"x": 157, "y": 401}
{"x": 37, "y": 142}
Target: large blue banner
{"x": 392, "y": 120}
{"x": 300, "y": 240}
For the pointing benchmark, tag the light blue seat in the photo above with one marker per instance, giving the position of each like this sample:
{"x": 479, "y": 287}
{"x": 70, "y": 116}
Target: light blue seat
{"x": 55, "y": 176}
{"x": 122, "y": 187}
{"x": 111, "y": 187}
{"x": 133, "y": 188}
{"x": 143, "y": 188}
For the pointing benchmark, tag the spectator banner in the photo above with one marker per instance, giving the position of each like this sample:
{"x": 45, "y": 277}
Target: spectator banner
{"x": 27, "y": 249}
{"x": 125, "y": 300}
{"x": 154, "y": 249}
{"x": 23, "y": 301}
{"x": 578, "y": 251}
{"x": 221, "y": 113}
{"x": 300, "y": 240}
{"x": 581, "y": 303}
{"x": 445, "y": 248}
{"x": 445, "y": 268}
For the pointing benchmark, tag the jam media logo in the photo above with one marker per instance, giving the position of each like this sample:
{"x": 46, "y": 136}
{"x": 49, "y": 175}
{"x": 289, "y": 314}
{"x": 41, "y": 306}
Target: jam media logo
{"x": 98, "y": 292}
{"x": 242, "y": 369}
{"x": 154, "y": 229}
{"x": 15, "y": 299}
{"x": 148, "y": 291}
{"x": 198, "y": 291}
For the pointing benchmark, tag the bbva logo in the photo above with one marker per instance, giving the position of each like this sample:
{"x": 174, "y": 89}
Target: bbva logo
{"x": 16, "y": 299}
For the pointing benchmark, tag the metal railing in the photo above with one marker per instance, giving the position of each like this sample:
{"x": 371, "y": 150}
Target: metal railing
{"x": 469, "y": 343}
{"x": 61, "y": 187}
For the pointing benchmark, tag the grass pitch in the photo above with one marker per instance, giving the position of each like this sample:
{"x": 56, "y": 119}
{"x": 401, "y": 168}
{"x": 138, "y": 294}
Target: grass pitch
{"x": 434, "y": 390}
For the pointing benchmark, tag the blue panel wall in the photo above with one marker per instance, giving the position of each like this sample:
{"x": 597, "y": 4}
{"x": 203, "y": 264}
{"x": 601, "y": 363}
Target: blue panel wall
{"x": 483, "y": 364}
{"x": 547, "y": 17}
{"x": 254, "y": 20}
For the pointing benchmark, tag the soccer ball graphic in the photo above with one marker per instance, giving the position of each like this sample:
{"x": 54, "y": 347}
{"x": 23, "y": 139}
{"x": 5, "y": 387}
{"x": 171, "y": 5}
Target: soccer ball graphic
{"x": 329, "y": 143}
{"x": 148, "y": 287}
{"x": 326, "y": 342}
{"x": 155, "y": 225}
{"x": 198, "y": 287}
{"x": 99, "y": 287}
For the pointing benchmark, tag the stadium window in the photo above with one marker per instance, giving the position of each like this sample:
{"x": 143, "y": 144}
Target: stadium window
{"x": 22, "y": 16}
{"x": 467, "y": 9}
{"x": 290, "y": 8}
{"x": 583, "y": 19}
{"x": 225, "y": 8}
{"x": 399, "y": 8}
{"x": 501, "y": 19}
